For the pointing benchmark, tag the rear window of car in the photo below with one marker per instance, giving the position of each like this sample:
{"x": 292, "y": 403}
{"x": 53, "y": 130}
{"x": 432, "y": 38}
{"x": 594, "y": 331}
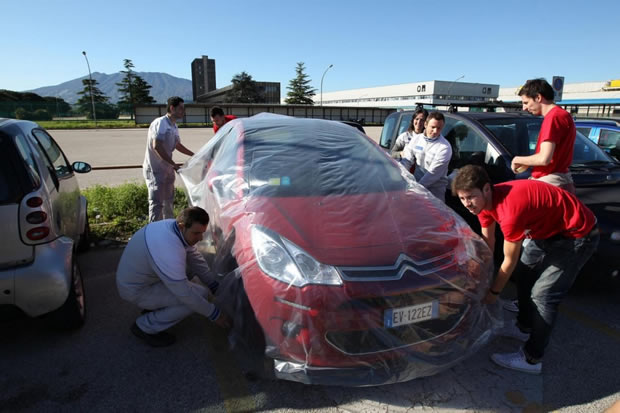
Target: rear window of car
{"x": 285, "y": 163}
{"x": 15, "y": 181}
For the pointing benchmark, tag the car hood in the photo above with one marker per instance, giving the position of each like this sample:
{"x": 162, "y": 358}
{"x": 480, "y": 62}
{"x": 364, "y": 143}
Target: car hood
{"x": 368, "y": 229}
{"x": 604, "y": 173}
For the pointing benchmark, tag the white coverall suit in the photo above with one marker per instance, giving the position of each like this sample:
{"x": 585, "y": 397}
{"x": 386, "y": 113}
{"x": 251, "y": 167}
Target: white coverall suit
{"x": 432, "y": 157}
{"x": 159, "y": 174}
{"x": 155, "y": 272}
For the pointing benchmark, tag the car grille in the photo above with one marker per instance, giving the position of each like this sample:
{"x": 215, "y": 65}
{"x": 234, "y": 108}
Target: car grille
{"x": 404, "y": 266}
{"x": 376, "y": 340}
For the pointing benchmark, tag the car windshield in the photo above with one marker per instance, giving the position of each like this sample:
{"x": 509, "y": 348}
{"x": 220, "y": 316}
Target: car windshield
{"x": 520, "y": 134}
{"x": 316, "y": 161}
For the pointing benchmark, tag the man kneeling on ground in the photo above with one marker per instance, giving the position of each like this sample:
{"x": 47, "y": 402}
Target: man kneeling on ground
{"x": 156, "y": 272}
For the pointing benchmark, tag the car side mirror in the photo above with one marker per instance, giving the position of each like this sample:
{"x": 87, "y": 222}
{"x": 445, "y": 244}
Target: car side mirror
{"x": 81, "y": 167}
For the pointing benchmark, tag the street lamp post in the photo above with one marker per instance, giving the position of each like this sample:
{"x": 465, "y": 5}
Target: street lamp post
{"x": 90, "y": 88}
{"x": 452, "y": 84}
{"x": 328, "y": 67}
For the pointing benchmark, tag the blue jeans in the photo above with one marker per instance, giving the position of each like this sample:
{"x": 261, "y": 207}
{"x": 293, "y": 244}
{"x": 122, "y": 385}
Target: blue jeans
{"x": 546, "y": 272}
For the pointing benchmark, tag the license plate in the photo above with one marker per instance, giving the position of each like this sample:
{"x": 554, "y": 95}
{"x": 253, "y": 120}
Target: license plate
{"x": 395, "y": 317}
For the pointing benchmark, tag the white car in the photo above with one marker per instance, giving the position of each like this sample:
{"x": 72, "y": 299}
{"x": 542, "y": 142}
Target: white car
{"x": 43, "y": 223}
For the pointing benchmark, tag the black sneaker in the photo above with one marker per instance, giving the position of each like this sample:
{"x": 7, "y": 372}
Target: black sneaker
{"x": 161, "y": 339}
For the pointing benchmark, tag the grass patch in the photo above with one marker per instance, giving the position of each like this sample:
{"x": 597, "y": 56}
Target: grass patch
{"x": 88, "y": 124}
{"x": 117, "y": 212}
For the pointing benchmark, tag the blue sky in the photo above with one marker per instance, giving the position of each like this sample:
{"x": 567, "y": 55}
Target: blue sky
{"x": 370, "y": 43}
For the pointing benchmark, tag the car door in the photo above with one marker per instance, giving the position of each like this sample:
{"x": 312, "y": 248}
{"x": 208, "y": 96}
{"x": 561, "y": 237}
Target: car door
{"x": 66, "y": 196}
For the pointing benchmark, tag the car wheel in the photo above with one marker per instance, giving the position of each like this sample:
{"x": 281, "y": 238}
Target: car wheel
{"x": 84, "y": 242}
{"x": 72, "y": 313}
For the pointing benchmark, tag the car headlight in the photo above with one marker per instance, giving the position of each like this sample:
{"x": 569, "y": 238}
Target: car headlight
{"x": 281, "y": 259}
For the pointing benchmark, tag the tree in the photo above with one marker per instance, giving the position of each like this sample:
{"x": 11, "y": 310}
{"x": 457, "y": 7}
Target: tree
{"x": 300, "y": 92}
{"x": 104, "y": 109}
{"x": 244, "y": 90}
{"x": 133, "y": 89}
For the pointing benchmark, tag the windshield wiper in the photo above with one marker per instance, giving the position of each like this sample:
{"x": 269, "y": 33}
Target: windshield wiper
{"x": 594, "y": 164}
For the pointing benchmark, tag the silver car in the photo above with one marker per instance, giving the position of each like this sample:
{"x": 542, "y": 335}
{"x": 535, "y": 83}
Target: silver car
{"x": 43, "y": 223}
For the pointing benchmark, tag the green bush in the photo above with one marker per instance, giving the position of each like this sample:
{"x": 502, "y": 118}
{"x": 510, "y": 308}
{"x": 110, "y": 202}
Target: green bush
{"x": 117, "y": 212}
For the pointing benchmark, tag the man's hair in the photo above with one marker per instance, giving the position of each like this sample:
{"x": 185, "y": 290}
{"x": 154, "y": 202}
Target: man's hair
{"x": 415, "y": 114}
{"x": 470, "y": 177}
{"x": 436, "y": 115}
{"x": 533, "y": 87}
{"x": 188, "y": 216}
{"x": 216, "y": 111}
{"x": 174, "y": 101}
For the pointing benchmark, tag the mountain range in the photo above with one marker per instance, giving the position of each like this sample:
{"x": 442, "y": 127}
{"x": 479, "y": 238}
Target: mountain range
{"x": 163, "y": 86}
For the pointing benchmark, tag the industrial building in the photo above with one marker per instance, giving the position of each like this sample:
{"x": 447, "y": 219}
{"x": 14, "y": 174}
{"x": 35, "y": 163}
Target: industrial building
{"x": 205, "y": 90}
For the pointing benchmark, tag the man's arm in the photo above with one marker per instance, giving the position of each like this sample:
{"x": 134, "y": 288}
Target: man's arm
{"x": 181, "y": 148}
{"x": 161, "y": 152}
{"x": 488, "y": 235}
{"x": 542, "y": 158}
{"x": 511, "y": 258}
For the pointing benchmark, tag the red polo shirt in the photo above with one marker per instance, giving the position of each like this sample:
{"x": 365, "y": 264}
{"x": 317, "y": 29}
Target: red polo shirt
{"x": 533, "y": 209}
{"x": 557, "y": 127}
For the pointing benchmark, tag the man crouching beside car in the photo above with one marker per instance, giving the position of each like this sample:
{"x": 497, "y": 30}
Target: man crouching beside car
{"x": 156, "y": 271}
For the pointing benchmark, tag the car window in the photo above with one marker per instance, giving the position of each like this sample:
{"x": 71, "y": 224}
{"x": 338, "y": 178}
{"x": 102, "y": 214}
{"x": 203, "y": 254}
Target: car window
{"x": 518, "y": 135}
{"x": 469, "y": 146}
{"x": 14, "y": 179}
{"x": 388, "y": 131}
{"x": 587, "y": 151}
{"x": 405, "y": 121}
{"x": 288, "y": 163}
{"x": 608, "y": 138}
{"x": 585, "y": 130}
{"x": 53, "y": 152}
{"x": 24, "y": 150}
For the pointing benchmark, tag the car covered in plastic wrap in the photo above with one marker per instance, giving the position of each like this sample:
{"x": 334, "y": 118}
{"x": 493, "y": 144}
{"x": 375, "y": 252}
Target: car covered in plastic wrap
{"x": 353, "y": 273}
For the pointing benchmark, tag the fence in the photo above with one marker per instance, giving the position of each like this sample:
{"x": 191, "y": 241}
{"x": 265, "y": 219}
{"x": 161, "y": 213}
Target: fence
{"x": 200, "y": 113}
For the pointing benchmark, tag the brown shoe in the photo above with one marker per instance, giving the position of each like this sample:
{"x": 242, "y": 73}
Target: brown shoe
{"x": 161, "y": 339}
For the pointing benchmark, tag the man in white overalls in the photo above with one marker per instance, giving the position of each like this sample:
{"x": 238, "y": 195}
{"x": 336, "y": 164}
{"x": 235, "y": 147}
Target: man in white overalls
{"x": 156, "y": 273}
{"x": 158, "y": 167}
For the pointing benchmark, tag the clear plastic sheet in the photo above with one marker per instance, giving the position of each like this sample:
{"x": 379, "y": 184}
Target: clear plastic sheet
{"x": 336, "y": 265}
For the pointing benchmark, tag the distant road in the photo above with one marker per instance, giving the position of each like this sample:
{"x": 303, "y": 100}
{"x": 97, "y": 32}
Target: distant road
{"x": 108, "y": 147}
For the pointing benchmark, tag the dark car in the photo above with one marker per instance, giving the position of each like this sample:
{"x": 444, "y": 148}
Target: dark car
{"x": 604, "y": 133}
{"x": 493, "y": 139}
{"x": 44, "y": 223}
{"x": 346, "y": 285}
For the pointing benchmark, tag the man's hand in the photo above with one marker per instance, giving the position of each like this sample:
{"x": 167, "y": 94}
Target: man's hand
{"x": 223, "y": 321}
{"x": 490, "y": 298}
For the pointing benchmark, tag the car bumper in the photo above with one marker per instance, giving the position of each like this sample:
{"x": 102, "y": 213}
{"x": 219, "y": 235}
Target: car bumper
{"x": 43, "y": 285}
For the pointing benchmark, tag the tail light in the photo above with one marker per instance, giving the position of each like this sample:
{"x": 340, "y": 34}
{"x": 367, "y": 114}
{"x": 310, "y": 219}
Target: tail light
{"x": 35, "y": 201}
{"x": 38, "y": 233}
{"x": 36, "y": 217}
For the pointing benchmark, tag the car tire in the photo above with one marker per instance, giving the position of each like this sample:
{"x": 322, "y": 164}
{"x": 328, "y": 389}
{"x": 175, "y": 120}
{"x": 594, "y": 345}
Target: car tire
{"x": 72, "y": 313}
{"x": 84, "y": 242}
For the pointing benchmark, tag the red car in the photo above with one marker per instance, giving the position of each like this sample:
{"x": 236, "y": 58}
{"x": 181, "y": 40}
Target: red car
{"x": 355, "y": 274}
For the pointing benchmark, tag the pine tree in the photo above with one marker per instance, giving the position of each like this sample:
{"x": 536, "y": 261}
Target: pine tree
{"x": 244, "y": 90}
{"x": 133, "y": 89}
{"x": 300, "y": 92}
{"x": 104, "y": 109}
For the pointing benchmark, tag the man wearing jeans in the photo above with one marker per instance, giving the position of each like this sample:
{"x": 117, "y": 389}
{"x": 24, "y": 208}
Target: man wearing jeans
{"x": 563, "y": 234}
{"x": 158, "y": 167}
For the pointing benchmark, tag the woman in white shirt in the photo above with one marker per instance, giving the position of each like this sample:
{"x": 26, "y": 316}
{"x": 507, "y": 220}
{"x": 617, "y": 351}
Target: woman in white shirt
{"x": 416, "y": 127}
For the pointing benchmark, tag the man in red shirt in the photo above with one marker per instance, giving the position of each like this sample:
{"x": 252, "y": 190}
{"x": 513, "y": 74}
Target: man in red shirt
{"x": 219, "y": 119}
{"x": 563, "y": 235}
{"x": 554, "y": 149}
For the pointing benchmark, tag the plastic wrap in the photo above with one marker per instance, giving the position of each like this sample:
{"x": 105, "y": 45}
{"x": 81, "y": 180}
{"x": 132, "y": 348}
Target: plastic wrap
{"x": 336, "y": 265}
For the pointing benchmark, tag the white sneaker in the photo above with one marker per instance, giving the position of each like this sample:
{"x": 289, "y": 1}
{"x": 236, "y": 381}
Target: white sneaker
{"x": 511, "y": 305}
{"x": 516, "y": 361}
{"x": 512, "y": 331}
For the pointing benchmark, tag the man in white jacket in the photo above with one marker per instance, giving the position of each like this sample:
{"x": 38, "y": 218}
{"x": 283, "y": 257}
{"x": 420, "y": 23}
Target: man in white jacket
{"x": 156, "y": 271}
{"x": 430, "y": 153}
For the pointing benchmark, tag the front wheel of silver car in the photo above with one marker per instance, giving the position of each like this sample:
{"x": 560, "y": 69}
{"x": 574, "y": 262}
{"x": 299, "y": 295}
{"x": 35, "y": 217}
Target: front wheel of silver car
{"x": 72, "y": 313}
